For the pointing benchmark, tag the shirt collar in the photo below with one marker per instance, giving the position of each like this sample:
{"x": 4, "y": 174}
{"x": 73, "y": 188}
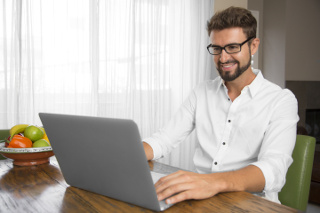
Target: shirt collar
{"x": 256, "y": 83}
{"x": 253, "y": 87}
{"x": 220, "y": 85}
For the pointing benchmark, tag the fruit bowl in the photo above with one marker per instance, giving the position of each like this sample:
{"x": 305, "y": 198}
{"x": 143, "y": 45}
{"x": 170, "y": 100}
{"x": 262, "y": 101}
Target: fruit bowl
{"x": 27, "y": 156}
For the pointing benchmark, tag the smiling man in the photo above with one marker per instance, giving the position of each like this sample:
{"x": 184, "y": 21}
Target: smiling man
{"x": 246, "y": 125}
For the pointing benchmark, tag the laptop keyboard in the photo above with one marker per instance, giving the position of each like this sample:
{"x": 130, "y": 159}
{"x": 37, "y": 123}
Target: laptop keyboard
{"x": 156, "y": 176}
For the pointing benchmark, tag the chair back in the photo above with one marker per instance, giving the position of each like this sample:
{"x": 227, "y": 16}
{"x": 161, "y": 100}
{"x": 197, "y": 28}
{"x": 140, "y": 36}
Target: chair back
{"x": 295, "y": 192}
{"x": 4, "y": 133}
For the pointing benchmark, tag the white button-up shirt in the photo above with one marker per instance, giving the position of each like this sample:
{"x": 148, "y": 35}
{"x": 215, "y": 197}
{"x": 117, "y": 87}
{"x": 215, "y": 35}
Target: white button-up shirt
{"x": 257, "y": 128}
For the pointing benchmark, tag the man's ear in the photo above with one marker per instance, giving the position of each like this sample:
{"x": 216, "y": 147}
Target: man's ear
{"x": 254, "y": 45}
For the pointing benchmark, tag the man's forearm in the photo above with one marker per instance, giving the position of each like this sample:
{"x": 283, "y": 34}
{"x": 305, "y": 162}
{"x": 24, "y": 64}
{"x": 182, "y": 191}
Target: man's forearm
{"x": 148, "y": 150}
{"x": 249, "y": 179}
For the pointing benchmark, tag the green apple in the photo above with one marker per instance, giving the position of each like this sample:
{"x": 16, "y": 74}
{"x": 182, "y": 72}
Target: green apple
{"x": 34, "y": 133}
{"x": 40, "y": 143}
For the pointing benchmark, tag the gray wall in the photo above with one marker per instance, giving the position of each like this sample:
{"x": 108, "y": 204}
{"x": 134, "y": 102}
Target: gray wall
{"x": 274, "y": 41}
{"x": 302, "y": 40}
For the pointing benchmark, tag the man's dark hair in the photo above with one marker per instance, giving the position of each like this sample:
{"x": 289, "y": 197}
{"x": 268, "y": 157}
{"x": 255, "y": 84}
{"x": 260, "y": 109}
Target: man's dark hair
{"x": 233, "y": 17}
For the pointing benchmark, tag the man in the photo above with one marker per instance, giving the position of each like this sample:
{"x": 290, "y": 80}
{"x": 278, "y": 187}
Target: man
{"x": 246, "y": 125}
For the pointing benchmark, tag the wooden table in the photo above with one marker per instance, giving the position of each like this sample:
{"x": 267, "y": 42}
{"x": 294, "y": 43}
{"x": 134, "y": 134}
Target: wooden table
{"x": 42, "y": 189}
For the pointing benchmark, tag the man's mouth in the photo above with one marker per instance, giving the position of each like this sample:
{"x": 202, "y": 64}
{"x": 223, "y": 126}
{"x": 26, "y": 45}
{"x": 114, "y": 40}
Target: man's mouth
{"x": 227, "y": 66}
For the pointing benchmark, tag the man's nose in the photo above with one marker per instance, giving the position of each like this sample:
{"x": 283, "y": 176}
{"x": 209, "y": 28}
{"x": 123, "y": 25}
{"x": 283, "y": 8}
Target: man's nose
{"x": 224, "y": 56}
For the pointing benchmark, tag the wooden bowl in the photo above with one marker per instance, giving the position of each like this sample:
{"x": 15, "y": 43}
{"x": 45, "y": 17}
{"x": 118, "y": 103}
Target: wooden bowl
{"x": 27, "y": 156}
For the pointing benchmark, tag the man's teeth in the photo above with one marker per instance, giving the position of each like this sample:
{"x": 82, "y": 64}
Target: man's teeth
{"x": 229, "y": 65}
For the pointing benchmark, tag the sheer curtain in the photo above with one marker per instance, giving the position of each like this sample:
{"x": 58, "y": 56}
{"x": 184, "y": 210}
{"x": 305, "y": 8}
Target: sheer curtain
{"x": 135, "y": 59}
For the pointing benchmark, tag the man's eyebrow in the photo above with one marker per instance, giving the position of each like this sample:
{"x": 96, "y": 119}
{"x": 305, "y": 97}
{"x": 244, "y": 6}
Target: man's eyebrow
{"x": 215, "y": 45}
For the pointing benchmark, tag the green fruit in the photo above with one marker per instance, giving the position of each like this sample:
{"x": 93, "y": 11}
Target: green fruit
{"x": 34, "y": 133}
{"x": 40, "y": 143}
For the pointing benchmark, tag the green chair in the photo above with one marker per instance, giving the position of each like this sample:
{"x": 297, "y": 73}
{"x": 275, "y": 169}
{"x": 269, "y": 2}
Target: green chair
{"x": 295, "y": 192}
{"x": 4, "y": 133}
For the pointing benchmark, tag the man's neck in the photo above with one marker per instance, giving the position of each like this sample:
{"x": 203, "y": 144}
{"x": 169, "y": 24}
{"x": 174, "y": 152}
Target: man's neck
{"x": 235, "y": 87}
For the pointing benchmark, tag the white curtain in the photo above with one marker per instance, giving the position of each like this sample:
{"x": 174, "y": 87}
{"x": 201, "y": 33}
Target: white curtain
{"x": 135, "y": 59}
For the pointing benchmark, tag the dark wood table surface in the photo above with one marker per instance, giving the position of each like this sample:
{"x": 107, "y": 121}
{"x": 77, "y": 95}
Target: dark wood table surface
{"x": 43, "y": 189}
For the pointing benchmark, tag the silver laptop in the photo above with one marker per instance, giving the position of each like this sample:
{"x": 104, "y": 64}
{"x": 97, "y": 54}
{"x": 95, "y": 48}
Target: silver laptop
{"x": 103, "y": 155}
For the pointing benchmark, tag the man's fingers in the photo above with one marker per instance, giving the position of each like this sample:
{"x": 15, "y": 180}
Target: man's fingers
{"x": 174, "y": 190}
{"x": 186, "y": 195}
{"x": 172, "y": 179}
{"x": 167, "y": 178}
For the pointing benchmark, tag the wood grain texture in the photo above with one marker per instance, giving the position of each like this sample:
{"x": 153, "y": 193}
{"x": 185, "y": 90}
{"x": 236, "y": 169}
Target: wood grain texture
{"x": 42, "y": 188}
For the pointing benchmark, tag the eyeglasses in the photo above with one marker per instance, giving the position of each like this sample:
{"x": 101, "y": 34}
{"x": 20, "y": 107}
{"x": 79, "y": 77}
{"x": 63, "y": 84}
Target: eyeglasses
{"x": 229, "y": 48}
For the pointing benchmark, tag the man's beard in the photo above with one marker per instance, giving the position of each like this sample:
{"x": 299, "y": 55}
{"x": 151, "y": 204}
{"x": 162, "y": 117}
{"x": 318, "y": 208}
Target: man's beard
{"x": 226, "y": 76}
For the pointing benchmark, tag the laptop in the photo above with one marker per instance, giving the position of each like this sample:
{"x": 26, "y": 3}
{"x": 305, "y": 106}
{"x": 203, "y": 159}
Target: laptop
{"x": 104, "y": 156}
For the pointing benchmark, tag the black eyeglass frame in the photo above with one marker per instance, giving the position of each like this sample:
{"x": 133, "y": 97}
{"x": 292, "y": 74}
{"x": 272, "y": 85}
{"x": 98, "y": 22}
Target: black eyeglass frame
{"x": 224, "y": 48}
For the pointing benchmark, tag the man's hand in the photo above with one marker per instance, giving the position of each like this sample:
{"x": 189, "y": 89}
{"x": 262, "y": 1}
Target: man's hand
{"x": 186, "y": 185}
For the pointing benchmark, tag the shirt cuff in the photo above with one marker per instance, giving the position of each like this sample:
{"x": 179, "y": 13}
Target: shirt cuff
{"x": 274, "y": 172}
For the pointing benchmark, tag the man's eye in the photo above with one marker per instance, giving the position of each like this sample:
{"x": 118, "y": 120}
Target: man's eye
{"x": 216, "y": 48}
{"x": 233, "y": 47}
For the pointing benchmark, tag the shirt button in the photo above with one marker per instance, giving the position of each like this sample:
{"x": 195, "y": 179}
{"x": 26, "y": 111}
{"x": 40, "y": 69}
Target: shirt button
{"x": 229, "y": 121}
{"x": 224, "y": 143}
{"x": 228, "y": 99}
{"x": 215, "y": 163}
